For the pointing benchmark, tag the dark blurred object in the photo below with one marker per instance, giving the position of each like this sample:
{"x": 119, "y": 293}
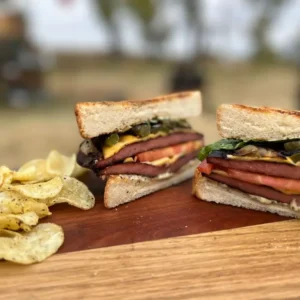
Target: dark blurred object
{"x": 21, "y": 78}
{"x": 186, "y": 77}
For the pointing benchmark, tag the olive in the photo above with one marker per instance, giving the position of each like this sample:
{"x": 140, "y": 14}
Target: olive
{"x": 112, "y": 139}
{"x": 292, "y": 146}
{"x": 142, "y": 130}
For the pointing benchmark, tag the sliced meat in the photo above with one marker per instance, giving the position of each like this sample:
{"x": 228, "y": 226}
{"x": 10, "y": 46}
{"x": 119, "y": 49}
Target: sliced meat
{"x": 170, "y": 151}
{"x": 254, "y": 189}
{"x": 146, "y": 169}
{"x": 160, "y": 142}
{"x": 255, "y": 166}
{"x": 286, "y": 185}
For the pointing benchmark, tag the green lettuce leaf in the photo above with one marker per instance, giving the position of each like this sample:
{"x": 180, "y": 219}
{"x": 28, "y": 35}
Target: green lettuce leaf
{"x": 224, "y": 144}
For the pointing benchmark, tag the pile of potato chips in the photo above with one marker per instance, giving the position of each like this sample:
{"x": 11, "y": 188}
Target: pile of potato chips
{"x": 25, "y": 198}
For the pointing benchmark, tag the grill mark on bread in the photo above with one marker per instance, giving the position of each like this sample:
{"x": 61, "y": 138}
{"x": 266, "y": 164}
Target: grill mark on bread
{"x": 117, "y": 116}
{"x": 257, "y": 123}
{"x": 136, "y": 103}
{"x": 261, "y": 109}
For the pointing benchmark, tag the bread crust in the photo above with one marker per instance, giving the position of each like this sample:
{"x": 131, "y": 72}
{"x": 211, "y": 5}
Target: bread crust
{"x": 251, "y": 124}
{"x": 138, "y": 103}
{"x": 212, "y": 191}
{"x": 82, "y": 107}
{"x": 262, "y": 109}
{"x": 121, "y": 189}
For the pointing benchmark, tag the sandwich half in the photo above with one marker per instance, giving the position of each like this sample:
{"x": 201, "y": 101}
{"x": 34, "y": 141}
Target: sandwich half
{"x": 139, "y": 147}
{"x": 257, "y": 163}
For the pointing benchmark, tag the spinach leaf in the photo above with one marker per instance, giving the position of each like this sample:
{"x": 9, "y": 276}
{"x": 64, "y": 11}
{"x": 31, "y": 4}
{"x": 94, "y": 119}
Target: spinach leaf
{"x": 224, "y": 144}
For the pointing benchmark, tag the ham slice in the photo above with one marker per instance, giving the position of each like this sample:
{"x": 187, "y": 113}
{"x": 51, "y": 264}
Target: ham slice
{"x": 285, "y": 185}
{"x": 254, "y": 189}
{"x": 255, "y": 166}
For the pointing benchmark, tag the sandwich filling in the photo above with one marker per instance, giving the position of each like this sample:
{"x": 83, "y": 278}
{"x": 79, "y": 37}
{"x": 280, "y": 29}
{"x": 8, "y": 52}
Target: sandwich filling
{"x": 269, "y": 170}
{"x": 154, "y": 148}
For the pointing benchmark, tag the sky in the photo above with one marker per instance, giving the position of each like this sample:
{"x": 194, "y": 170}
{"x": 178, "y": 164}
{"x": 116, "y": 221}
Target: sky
{"x": 74, "y": 25}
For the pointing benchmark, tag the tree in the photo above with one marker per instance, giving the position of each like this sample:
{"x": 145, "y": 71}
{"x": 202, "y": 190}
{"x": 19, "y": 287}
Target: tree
{"x": 144, "y": 9}
{"x": 107, "y": 8}
{"x": 196, "y": 24}
{"x": 190, "y": 75}
{"x": 267, "y": 11}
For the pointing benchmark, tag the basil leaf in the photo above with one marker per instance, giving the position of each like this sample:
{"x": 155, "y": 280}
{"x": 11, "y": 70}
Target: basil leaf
{"x": 224, "y": 144}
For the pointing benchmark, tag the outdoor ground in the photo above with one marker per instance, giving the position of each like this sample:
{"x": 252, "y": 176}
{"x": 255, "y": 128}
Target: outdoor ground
{"x": 32, "y": 133}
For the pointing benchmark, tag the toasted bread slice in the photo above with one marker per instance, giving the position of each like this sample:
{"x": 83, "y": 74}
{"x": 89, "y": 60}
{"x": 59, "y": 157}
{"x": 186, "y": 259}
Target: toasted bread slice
{"x": 121, "y": 189}
{"x": 95, "y": 118}
{"x": 213, "y": 191}
{"x": 257, "y": 123}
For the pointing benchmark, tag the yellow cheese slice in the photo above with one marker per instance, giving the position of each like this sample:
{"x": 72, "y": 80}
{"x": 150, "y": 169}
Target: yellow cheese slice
{"x": 164, "y": 160}
{"x": 127, "y": 140}
{"x": 158, "y": 162}
{"x": 268, "y": 159}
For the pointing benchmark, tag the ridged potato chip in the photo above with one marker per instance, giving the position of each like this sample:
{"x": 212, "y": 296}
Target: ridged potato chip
{"x": 74, "y": 193}
{"x": 35, "y": 246}
{"x": 33, "y": 171}
{"x": 25, "y": 196}
{"x": 42, "y": 190}
{"x": 14, "y": 203}
{"x": 60, "y": 165}
{"x": 6, "y": 175}
{"x": 19, "y": 221}
{"x": 25, "y": 175}
{"x": 37, "y": 170}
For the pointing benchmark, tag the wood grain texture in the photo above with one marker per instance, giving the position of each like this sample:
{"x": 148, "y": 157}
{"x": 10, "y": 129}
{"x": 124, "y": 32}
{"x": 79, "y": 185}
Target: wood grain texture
{"x": 168, "y": 213}
{"x": 256, "y": 262}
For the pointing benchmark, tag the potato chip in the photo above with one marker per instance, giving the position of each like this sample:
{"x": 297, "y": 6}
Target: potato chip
{"x": 32, "y": 171}
{"x": 14, "y": 203}
{"x": 25, "y": 175}
{"x": 60, "y": 165}
{"x": 35, "y": 246}
{"x": 8, "y": 233}
{"x": 6, "y": 175}
{"x": 78, "y": 171}
{"x": 16, "y": 222}
{"x": 74, "y": 193}
{"x": 43, "y": 190}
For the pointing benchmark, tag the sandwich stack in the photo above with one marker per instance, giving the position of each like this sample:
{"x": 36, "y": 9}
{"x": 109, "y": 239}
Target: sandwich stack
{"x": 139, "y": 147}
{"x": 257, "y": 163}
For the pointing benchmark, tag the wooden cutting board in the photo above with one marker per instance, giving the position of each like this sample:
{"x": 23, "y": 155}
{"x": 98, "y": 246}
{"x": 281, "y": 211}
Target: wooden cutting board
{"x": 168, "y": 213}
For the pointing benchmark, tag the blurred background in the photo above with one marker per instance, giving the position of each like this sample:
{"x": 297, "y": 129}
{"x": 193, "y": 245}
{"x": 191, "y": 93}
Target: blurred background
{"x": 54, "y": 53}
